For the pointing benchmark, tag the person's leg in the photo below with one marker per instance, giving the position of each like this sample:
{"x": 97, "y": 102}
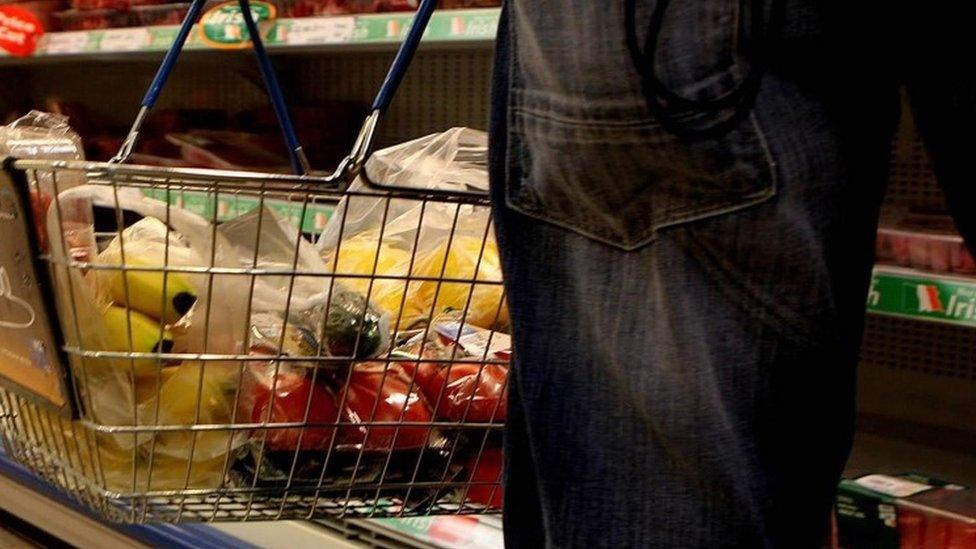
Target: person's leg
{"x": 698, "y": 390}
{"x": 943, "y": 100}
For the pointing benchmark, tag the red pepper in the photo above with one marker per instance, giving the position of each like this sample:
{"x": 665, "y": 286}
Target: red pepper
{"x": 487, "y": 470}
{"x": 292, "y": 393}
{"x": 374, "y": 386}
{"x": 471, "y": 391}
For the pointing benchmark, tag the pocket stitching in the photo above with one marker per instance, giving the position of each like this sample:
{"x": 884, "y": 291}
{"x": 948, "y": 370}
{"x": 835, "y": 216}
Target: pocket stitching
{"x": 524, "y": 200}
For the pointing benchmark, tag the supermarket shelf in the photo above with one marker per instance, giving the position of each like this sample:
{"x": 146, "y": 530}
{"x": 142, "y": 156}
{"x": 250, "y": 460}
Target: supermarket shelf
{"x": 41, "y": 504}
{"x": 884, "y": 453}
{"x": 349, "y": 33}
{"x": 922, "y": 295}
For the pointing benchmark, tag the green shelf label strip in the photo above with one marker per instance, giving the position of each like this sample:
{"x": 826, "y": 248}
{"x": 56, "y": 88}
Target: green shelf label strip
{"x": 231, "y": 206}
{"x": 445, "y": 26}
{"x": 928, "y": 296}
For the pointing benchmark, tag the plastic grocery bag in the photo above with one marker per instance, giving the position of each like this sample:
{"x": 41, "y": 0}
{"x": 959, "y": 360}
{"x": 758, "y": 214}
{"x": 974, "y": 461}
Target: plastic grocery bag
{"x": 296, "y": 302}
{"x": 385, "y": 241}
{"x": 41, "y": 135}
{"x": 101, "y": 312}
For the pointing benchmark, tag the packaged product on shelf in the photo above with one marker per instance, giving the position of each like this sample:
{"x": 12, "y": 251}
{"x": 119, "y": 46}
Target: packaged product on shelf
{"x": 923, "y": 240}
{"x": 84, "y": 20}
{"x": 907, "y": 511}
{"x": 42, "y": 9}
{"x": 150, "y": 15}
{"x": 467, "y": 4}
{"x": 88, "y": 5}
{"x": 439, "y": 240}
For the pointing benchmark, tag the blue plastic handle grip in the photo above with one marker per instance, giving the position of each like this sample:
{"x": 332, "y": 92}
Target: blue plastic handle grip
{"x": 274, "y": 90}
{"x": 404, "y": 55}
{"x": 152, "y": 94}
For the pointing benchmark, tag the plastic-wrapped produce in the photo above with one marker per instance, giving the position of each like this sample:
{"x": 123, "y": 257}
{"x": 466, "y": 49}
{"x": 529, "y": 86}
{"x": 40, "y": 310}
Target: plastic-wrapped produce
{"x": 41, "y": 135}
{"x": 458, "y": 370}
{"x": 425, "y": 240}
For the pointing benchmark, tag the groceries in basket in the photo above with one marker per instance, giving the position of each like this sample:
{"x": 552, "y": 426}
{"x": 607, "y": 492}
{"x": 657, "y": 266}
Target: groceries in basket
{"x": 239, "y": 353}
{"x": 417, "y": 259}
{"x": 462, "y": 370}
{"x": 43, "y": 135}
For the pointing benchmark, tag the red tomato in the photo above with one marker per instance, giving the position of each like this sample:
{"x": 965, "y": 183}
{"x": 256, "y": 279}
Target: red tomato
{"x": 489, "y": 469}
{"x": 292, "y": 393}
{"x": 388, "y": 395}
{"x": 487, "y": 392}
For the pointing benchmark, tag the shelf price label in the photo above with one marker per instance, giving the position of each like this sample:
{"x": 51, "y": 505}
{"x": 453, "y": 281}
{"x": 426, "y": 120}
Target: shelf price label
{"x": 324, "y": 30}
{"x": 67, "y": 42}
{"x": 923, "y": 295}
{"x": 222, "y": 27}
{"x": 133, "y": 39}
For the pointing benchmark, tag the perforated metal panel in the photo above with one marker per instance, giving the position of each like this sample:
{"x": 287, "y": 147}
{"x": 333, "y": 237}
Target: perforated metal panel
{"x": 911, "y": 180}
{"x": 925, "y": 347}
{"x": 442, "y": 89}
{"x": 912, "y": 370}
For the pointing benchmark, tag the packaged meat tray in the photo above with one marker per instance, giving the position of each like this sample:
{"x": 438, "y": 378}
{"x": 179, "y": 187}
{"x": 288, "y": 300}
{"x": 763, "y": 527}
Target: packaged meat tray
{"x": 149, "y": 15}
{"x": 907, "y": 511}
{"x": 82, "y": 20}
{"x": 923, "y": 241}
{"x": 468, "y": 4}
{"x": 42, "y": 9}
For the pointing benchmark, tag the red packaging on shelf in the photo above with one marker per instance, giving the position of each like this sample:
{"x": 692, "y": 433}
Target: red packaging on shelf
{"x": 81, "y": 20}
{"x": 43, "y": 10}
{"x": 923, "y": 241}
{"x": 149, "y": 15}
{"x": 468, "y": 4}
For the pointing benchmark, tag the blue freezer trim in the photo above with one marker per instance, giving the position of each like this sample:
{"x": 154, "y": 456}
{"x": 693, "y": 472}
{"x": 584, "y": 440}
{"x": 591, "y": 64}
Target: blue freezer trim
{"x": 191, "y": 536}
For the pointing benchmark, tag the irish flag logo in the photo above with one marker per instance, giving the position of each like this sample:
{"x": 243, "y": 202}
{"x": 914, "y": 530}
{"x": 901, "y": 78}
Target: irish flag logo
{"x": 928, "y": 299}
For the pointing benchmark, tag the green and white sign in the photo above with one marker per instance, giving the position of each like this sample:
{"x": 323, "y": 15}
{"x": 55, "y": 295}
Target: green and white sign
{"x": 223, "y": 27}
{"x": 230, "y": 205}
{"x": 903, "y": 292}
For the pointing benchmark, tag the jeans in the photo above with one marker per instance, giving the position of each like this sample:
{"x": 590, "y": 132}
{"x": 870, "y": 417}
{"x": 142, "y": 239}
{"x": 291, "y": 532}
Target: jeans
{"x": 687, "y": 312}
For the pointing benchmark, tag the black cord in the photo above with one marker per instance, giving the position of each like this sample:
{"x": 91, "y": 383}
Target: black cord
{"x": 672, "y": 110}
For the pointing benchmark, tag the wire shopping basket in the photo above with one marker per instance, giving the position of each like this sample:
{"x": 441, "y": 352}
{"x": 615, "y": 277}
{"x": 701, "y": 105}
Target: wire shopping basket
{"x": 161, "y": 365}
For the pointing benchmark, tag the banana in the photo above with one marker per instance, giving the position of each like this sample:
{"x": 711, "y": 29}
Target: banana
{"x": 145, "y": 337}
{"x": 142, "y": 291}
{"x": 145, "y": 246}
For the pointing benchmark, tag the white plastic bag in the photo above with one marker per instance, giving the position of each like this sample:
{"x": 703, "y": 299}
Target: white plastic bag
{"x": 384, "y": 240}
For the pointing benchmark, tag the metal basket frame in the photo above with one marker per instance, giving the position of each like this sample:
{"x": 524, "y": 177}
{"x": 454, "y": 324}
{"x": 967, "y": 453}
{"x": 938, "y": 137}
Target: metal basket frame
{"x": 69, "y": 453}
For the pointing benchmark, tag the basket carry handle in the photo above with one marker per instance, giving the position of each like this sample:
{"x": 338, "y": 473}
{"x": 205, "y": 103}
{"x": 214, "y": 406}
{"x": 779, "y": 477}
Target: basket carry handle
{"x": 296, "y": 153}
{"x": 353, "y": 164}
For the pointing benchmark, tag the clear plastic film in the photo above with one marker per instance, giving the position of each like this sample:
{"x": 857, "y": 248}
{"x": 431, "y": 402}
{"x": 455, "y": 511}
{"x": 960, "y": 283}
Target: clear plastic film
{"x": 447, "y": 249}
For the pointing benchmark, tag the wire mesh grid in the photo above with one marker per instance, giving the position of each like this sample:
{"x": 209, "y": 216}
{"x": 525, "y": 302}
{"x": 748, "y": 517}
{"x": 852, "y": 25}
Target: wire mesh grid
{"x": 234, "y": 370}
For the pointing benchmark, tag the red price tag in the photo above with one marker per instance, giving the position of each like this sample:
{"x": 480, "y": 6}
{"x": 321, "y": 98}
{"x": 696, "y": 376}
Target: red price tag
{"x": 19, "y": 30}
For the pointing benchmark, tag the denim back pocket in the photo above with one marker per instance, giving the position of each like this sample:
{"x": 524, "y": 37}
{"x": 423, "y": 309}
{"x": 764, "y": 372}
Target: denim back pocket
{"x": 604, "y": 170}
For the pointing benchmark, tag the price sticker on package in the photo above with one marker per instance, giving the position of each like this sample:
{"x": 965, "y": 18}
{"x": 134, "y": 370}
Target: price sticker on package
{"x": 125, "y": 39}
{"x": 67, "y": 42}
{"x": 325, "y": 30}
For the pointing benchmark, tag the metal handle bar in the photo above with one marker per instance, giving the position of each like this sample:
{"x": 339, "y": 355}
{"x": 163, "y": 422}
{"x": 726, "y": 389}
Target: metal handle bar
{"x": 295, "y": 152}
